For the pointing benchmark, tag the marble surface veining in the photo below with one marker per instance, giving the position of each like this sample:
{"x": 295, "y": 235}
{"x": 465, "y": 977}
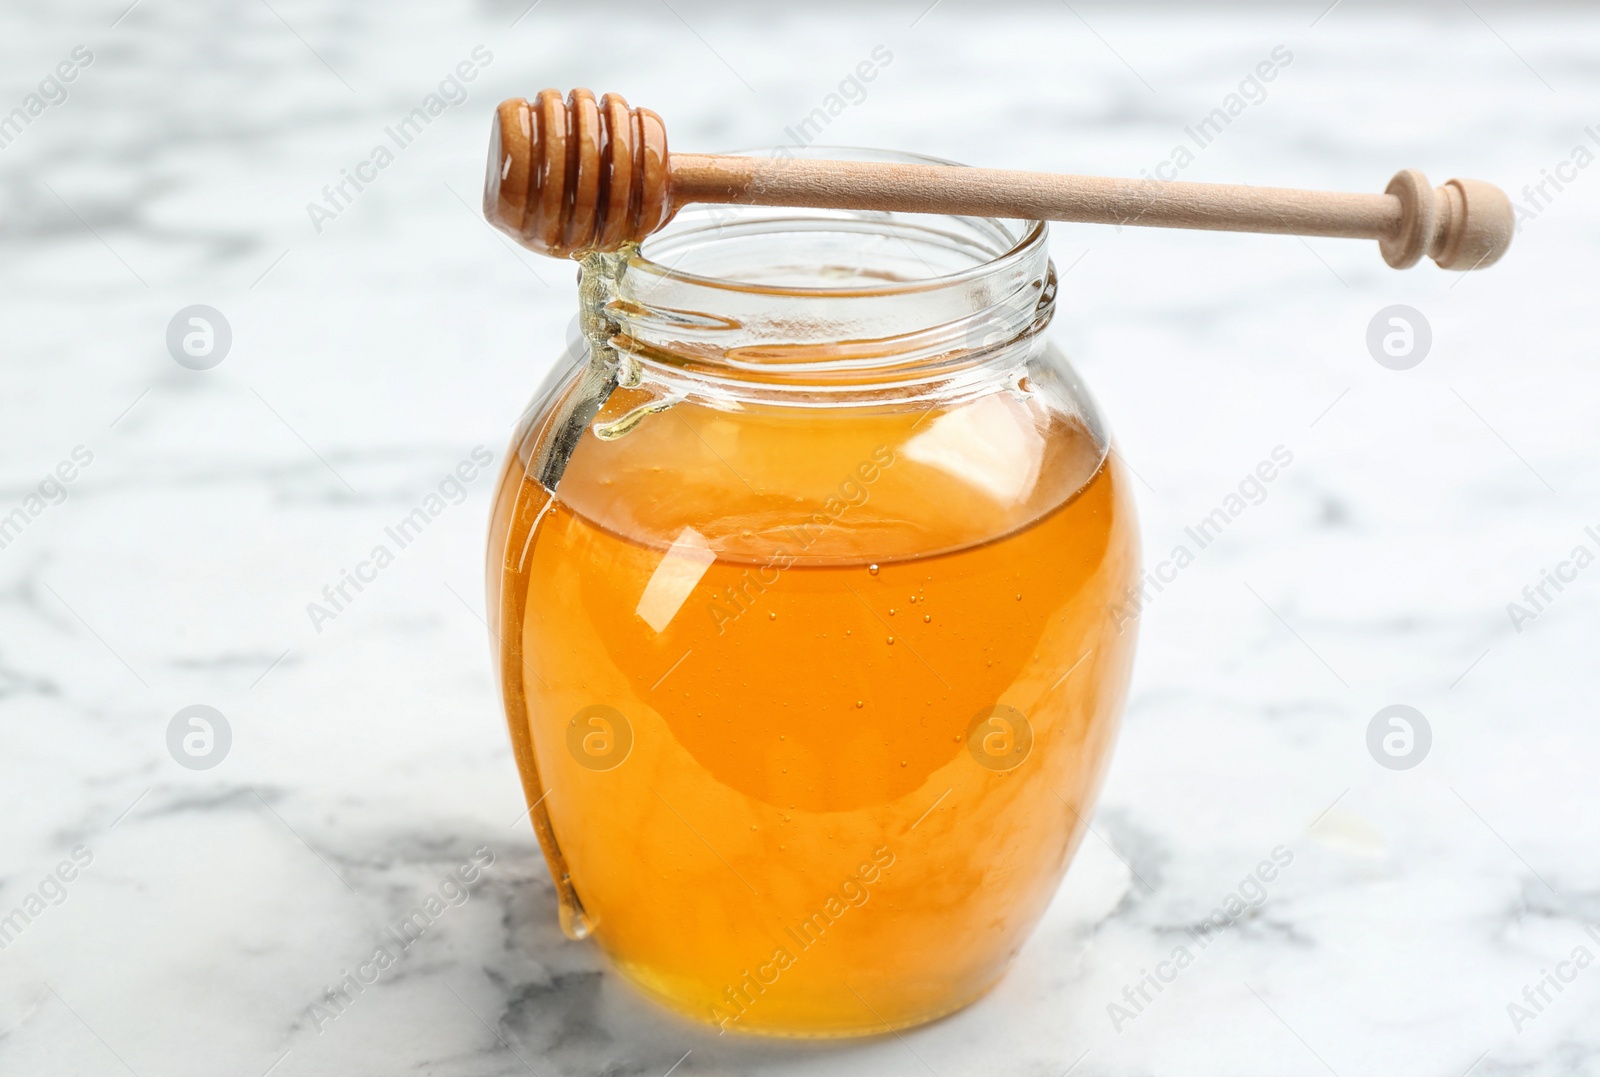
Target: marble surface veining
{"x": 1431, "y": 920}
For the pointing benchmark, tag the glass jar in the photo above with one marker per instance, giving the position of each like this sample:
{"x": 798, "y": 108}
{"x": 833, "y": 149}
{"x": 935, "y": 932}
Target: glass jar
{"x": 803, "y": 572}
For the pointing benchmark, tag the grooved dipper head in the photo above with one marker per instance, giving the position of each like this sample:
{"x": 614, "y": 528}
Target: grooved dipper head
{"x": 569, "y": 177}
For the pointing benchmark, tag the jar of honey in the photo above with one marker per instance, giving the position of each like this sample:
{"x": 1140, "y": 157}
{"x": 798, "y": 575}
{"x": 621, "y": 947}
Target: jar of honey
{"x": 803, "y": 574}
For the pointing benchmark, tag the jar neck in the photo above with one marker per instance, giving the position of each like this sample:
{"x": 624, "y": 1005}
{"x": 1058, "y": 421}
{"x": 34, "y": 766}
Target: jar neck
{"x": 785, "y": 302}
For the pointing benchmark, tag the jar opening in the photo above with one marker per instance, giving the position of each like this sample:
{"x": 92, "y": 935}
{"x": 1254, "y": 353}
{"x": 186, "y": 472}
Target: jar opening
{"x": 812, "y": 297}
{"x": 833, "y": 252}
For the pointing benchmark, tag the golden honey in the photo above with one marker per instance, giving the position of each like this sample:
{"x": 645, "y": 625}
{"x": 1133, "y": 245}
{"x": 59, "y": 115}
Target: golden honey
{"x": 812, "y": 702}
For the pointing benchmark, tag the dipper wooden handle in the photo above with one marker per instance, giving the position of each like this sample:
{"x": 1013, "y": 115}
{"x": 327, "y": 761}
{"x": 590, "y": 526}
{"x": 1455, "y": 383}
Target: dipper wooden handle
{"x": 568, "y": 177}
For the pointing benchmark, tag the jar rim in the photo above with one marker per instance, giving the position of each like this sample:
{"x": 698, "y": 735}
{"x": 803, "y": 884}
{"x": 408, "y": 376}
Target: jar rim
{"x": 1025, "y": 239}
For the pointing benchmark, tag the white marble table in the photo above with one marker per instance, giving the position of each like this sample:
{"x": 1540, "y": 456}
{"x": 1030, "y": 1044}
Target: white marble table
{"x": 209, "y": 910}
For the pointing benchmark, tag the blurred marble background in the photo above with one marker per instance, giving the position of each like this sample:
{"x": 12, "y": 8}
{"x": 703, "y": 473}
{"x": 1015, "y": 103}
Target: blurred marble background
{"x": 374, "y": 347}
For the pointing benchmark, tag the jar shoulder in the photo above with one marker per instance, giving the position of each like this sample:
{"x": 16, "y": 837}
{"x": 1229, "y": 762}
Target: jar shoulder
{"x": 875, "y": 477}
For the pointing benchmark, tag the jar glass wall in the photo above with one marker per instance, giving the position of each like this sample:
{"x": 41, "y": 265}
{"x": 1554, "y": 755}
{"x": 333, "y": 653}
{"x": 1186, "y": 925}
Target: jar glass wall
{"x": 802, "y": 571}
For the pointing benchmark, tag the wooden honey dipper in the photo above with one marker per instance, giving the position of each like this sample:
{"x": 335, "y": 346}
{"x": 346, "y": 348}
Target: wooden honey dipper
{"x": 569, "y": 177}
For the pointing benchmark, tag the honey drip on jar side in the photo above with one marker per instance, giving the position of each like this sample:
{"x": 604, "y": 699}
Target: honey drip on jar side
{"x": 526, "y": 503}
{"x": 519, "y": 506}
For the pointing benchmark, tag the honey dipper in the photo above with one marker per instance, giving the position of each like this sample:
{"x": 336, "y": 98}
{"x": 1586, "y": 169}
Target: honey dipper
{"x": 568, "y": 177}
